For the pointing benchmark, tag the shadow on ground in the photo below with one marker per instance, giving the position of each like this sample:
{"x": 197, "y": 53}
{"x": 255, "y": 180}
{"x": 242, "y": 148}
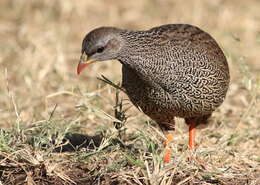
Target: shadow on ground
{"x": 74, "y": 141}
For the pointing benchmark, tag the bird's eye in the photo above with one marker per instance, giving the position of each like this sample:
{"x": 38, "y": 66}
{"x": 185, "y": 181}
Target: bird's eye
{"x": 100, "y": 50}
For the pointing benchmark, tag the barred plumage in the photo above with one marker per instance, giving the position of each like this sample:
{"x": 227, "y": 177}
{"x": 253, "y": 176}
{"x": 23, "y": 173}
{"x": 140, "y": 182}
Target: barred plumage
{"x": 174, "y": 70}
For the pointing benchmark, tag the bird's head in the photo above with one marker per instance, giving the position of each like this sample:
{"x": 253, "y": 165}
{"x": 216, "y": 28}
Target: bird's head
{"x": 101, "y": 44}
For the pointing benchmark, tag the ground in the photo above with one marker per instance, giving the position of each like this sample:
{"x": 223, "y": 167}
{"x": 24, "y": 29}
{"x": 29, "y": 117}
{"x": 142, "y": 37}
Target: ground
{"x": 60, "y": 128}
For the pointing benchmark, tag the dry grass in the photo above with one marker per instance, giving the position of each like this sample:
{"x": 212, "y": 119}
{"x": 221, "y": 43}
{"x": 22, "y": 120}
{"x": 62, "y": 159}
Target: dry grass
{"x": 43, "y": 101}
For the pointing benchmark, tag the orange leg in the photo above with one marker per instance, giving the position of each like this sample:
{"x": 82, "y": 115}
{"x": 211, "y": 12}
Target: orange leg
{"x": 167, "y": 156}
{"x": 192, "y": 127}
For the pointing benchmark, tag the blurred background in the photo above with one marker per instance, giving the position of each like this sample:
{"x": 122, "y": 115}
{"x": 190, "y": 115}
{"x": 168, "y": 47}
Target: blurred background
{"x": 41, "y": 43}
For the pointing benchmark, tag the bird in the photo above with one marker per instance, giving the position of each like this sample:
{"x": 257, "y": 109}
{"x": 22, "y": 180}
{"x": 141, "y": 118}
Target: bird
{"x": 168, "y": 71}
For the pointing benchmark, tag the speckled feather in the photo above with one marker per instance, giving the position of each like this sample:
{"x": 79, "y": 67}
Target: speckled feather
{"x": 174, "y": 70}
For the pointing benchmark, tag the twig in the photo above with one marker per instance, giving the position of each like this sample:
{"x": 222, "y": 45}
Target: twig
{"x": 109, "y": 82}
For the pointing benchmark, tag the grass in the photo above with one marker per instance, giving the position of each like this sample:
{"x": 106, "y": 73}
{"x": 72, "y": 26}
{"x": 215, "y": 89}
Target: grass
{"x": 60, "y": 128}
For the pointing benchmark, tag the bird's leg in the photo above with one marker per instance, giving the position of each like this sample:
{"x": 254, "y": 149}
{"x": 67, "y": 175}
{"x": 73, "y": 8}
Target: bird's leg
{"x": 192, "y": 128}
{"x": 168, "y": 129}
{"x": 193, "y": 122}
{"x": 167, "y": 150}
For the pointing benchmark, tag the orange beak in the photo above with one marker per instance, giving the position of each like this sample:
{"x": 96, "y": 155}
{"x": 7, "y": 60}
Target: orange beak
{"x": 84, "y": 62}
